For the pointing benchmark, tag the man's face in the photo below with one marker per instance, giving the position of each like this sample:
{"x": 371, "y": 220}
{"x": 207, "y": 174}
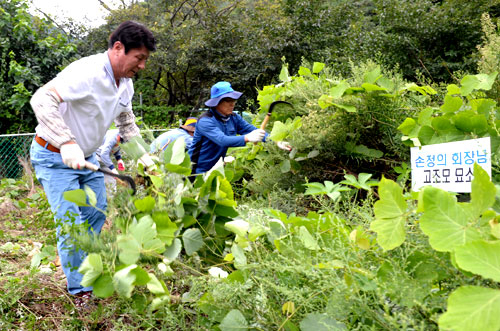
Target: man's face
{"x": 127, "y": 65}
{"x": 226, "y": 106}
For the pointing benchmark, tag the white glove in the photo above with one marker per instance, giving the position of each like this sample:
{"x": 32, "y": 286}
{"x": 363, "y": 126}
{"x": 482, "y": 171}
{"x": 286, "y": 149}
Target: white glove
{"x": 228, "y": 159}
{"x": 284, "y": 145}
{"x": 255, "y": 136}
{"x": 72, "y": 156}
{"x": 147, "y": 162}
{"x": 114, "y": 171}
{"x": 121, "y": 165}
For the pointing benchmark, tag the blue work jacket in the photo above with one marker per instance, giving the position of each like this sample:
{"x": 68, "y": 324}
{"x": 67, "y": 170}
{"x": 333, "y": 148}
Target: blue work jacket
{"x": 213, "y": 136}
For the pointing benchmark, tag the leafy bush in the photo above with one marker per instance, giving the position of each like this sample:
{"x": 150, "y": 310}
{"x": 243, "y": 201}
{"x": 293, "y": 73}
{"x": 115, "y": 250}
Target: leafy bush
{"x": 335, "y": 126}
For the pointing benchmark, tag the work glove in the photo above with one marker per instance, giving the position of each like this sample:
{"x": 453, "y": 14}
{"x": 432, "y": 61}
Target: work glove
{"x": 72, "y": 156}
{"x": 255, "y": 136}
{"x": 147, "y": 162}
{"x": 114, "y": 171}
{"x": 121, "y": 165}
{"x": 284, "y": 145}
{"x": 228, "y": 159}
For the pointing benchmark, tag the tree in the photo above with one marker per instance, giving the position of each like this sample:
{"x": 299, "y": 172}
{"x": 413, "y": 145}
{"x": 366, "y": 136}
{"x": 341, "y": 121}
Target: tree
{"x": 32, "y": 52}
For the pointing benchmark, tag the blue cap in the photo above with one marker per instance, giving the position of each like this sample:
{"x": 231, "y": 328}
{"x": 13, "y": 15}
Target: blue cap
{"x": 219, "y": 91}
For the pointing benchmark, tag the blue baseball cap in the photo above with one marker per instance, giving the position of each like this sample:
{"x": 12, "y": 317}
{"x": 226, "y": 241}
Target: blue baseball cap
{"x": 220, "y": 91}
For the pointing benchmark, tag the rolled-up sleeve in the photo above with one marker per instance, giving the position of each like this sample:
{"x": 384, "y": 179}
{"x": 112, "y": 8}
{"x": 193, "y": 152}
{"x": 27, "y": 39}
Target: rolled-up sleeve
{"x": 125, "y": 122}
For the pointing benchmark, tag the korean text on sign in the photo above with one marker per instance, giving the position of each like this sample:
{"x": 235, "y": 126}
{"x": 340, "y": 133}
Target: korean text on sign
{"x": 449, "y": 166}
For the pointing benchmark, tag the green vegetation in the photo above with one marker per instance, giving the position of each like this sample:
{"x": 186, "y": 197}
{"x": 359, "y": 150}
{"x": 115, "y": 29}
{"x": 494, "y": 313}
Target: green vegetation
{"x": 326, "y": 236}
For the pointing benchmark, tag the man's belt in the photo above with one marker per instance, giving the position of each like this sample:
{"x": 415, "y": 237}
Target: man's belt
{"x": 45, "y": 144}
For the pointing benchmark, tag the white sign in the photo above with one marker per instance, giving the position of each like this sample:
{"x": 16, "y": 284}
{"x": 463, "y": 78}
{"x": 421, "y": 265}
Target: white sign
{"x": 449, "y": 166}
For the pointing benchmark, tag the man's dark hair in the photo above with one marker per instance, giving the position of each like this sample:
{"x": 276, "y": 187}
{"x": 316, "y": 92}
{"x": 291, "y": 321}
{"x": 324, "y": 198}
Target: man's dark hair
{"x": 133, "y": 35}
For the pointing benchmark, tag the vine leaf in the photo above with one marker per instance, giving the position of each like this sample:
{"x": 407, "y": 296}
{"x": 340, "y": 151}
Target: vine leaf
{"x": 389, "y": 223}
{"x": 193, "y": 240}
{"x": 480, "y": 257}
{"x": 91, "y": 268}
{"x": 472, "y": 308}
{"x": 123, "y": 280}
{"x": 445, "y": 222}
{"x": 234, "y": 320}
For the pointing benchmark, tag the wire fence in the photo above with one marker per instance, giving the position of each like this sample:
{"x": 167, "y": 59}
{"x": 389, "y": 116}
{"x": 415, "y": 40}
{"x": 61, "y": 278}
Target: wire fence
{"x": 15, "y": 150}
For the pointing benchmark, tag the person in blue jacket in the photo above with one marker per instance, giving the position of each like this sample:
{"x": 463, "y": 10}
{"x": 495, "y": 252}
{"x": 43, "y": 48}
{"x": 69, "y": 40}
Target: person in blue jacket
{"x": 219, "y": 128}
{"x": 186, "y": 131}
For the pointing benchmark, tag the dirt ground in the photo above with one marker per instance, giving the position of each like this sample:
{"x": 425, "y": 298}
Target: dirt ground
{"x": 40, "y": 297}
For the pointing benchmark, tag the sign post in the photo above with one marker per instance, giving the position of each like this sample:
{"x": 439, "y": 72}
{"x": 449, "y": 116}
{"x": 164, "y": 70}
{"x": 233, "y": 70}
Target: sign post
{"x": 449, "y": 166}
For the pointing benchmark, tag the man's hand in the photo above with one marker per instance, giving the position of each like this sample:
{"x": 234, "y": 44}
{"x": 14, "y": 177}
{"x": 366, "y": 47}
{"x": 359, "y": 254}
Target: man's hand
{"x": 121, "y": 165}
{"x": 147, "y": 162}
{"x": 284, "y": 145}
{"x": 255, "y": 136}
{"x": 72, "y": 155}
{"x": 114, "y": 171}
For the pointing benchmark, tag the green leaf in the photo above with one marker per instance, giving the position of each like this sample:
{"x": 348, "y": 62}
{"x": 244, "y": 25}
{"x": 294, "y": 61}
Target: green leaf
{"x": 240, "y": 260}
{"x": 238, "y": 226}
{"x": 389, "y": 212}
{"x": 165, "y": 228}
{"x": 317, "y": 67}
{"x": 141, "y": 276}
{"x": 407, "y": 126}
{"x": 156, "y": 286}
{"x": 284, "y": 75}
{"x": 157, "y": 181}
{"x": 146, "y": 204}
{"x": 123, "y": 281}
{"x": 279, "y": 131}
{"x": 481, "y": 258}
{"x": 103, "y": 286}
{"x": 372, "y": 76}
{"x": 90, "y": 195}
{"x": 472, "y": 308}
{"x": 451, "y": 104}
{"x": 234, "y": 321}
{"x": 348, "y": 108}
{"x": 338, "y": 90}
{"x": 135, "y": 147}
{"x": 285, "y": 166}
{"x": 129, "y": 250}
{"x": 372, "y": 87}
{"x": 178, "y": 151}
{"x": 227, "y": 211}
{"x": 307, "y": 240}
{"x": 173, "y": 251}
{"x": 193, "y": 240}
{"x": 468, "y": 121}
{"x": 320, "y": 322}
{"x": 91, "y": 268}
{"x": 444, "y": 221}
{"x": 76, "y": 196}
{"x": 363, "y": 150}
{"x": 159, "y": 302}
{"x": 303, "y": 71}
{"x": 145, "y": 233}
{"x": 483, "y": 191}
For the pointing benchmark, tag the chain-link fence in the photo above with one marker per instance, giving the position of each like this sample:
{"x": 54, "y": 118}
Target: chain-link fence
{"x": 14, "y": 147}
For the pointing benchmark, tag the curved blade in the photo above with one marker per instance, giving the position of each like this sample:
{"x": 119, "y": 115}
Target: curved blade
{"x": 125, "y": 178}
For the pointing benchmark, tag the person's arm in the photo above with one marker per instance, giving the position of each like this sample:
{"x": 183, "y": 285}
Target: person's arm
{"x": 106, "y": 151}
{"x": 125, "y": 122}
{"x": 45, "y": 103}
{"x": 244, "y": 127}
{"x": 209, "y": 129}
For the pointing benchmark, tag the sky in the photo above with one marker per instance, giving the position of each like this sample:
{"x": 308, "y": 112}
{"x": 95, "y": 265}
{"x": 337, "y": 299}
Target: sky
{"x": 89, "y": 12}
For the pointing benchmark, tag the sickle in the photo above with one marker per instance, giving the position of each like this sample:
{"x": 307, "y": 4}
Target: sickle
{"x": 268, "y": 115}
{"x": 128, "y": 179}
